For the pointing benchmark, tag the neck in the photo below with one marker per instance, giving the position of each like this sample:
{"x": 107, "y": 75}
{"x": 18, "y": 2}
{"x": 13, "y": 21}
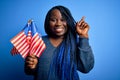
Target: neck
{"x": 56, "y": 41}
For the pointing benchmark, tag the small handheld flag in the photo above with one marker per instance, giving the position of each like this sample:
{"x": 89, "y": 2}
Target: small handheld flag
{"x": 28, "y": 41}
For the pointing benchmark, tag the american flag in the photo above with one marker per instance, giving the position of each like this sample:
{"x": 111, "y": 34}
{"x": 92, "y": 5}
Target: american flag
{"x": 28, "y": 41}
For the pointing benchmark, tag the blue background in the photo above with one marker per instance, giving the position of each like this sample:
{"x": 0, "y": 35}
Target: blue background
{"x": 102, "y": 15}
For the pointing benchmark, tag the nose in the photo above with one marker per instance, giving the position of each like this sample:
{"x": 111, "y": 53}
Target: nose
{"x": 59, "y": 23}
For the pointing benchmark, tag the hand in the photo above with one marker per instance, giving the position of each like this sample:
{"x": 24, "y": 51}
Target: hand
{"x": 31, "y": 61}
{"x": 82, "y": 28}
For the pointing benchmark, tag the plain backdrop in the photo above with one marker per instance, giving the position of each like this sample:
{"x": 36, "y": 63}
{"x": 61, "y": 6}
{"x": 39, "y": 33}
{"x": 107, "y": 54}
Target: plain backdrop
{"x": 102, "y": 16}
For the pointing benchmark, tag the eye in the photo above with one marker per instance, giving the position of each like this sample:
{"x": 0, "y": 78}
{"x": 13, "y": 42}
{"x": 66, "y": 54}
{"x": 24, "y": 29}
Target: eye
{"x": 52, "y": 19}
{"x": 63, "y": 20}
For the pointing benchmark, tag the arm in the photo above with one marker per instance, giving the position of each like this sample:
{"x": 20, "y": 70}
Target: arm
{"x": 85, "y": 58}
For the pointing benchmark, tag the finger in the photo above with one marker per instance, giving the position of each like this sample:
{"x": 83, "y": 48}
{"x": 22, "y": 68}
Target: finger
{"x": 81, "y": 24}
{"x": 30, "y": 66}
{"x": 30, "y": 59}
{"x": 81, "y": 21}
{"x": 84, "y": 25}
{"x": 29, "y": 62}
{"x": 83, "y": 18}
{"x": 32, "y": 55}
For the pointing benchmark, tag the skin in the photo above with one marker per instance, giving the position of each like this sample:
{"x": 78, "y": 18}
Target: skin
{"x": 82, "y": 28}
{"x": 58, "y": 26}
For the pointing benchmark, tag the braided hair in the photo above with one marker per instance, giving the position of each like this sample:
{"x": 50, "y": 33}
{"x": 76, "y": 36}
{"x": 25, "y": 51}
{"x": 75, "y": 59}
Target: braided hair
{"x": 63, "y": 65}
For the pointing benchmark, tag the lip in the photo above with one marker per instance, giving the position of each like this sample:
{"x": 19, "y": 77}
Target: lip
{"x": 58, "y": 29}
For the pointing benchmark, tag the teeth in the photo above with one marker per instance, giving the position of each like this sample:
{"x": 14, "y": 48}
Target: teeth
{"x": 58, "y": 29}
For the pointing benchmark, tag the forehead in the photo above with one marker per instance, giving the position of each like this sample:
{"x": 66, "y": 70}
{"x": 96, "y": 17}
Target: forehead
{"x": 55, "y": 12}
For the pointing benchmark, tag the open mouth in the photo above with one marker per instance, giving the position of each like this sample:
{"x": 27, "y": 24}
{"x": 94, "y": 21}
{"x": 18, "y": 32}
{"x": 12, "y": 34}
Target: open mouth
{"x": 58, "y": 29}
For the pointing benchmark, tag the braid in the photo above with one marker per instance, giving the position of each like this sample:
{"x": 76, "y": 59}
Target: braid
{"x": 63, "y": 64}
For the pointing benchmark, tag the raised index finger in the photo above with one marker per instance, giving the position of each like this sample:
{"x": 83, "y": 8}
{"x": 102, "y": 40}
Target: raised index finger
{"x": 83, "y": 18}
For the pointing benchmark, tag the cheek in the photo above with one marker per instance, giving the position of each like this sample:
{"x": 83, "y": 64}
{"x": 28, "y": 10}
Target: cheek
{"x": 52, "y": 24}
{"x": 51, "y": 27}
{"x": 66, "y": 27}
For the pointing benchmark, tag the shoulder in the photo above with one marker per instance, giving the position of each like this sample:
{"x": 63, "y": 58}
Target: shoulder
{"x": 45, "y": 37}
{"x": 47, "y": 41}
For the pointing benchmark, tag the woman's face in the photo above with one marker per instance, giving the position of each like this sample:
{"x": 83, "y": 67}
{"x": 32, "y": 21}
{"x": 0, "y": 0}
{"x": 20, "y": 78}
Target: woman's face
{"x": 58, "y": 24}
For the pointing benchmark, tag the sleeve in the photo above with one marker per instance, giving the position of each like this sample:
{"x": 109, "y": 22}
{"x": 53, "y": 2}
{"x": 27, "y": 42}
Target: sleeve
{"x": 84, "y": 56}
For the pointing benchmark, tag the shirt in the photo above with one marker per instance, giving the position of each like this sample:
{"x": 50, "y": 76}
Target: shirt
{"x": 84, "y": 59}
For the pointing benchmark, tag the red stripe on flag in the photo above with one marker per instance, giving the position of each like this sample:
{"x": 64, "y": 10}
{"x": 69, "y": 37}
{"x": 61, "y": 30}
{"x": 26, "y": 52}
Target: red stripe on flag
{"x": 41, "y": 49}
{"x": 17, "y": 37}
{"x": 34, "y": 42}
{"x": 16, "y": 43}
{"x": 38, "y": 47}
{"x": 24, "y": 50}
{"x": 21, "y": 43}
{"x": 34, "y": 39}
{"x": 23, "y": 47}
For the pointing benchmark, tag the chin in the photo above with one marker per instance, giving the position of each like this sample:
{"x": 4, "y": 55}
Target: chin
{"x": 58, "y": 36}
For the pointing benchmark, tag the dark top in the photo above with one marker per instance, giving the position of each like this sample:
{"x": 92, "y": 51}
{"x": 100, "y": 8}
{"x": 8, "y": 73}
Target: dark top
{"x": 84, "y": 58}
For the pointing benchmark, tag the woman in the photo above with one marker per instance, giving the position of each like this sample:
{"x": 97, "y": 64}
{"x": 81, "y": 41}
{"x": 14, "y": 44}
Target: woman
{"x": 67, "y": 48}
